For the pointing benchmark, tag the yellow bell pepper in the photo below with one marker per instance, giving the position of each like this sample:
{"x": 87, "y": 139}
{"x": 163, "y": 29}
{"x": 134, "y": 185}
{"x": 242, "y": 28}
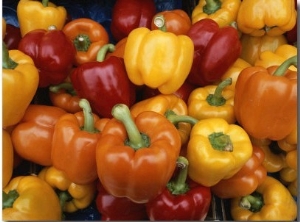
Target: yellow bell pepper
{"x": 40, "y": 15}
{"x": 293, "y": 188}
{"x": 7, "y": 158}
{"x": 266, "y": 17}
{"x": 271, "y": 201}
{"x": 223, "y": 12}
{"x": 72, "y": 196}
{"x": 30, "y": 198}
{"x": 20, "y": 80}
{"x": 217, "y": 150}
{"x": 158, "y": 59}
{"x": 212, "y": 101}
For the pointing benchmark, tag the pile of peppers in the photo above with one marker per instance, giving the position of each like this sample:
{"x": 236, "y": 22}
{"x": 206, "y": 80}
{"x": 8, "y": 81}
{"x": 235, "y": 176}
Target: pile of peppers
{"x": 149, "y": 110}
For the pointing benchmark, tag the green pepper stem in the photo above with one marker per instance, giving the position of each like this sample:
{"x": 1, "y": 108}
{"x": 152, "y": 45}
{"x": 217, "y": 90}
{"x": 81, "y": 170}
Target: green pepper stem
{"x": 285, "y": 65}
{"x": 65, "y": 85}
{"x": 136, "y": 140}
{"x": 9, "y": 198}
{"x": 88, "y": 116}
{"x": 253, "y": 202}
{"x": 179, "y": 186}
{"x": 212, "y": 6}
{"x": 82, "y": 42}
{"x": 175, "y": 119}
{"x": 160, "y": 23}
{"x": 103, "y": 51}
{"x": 220, "y": 141}
{"x": 7, "y": 62}
{"x": 45, "y": 3}
{"x": 217, "y": 99}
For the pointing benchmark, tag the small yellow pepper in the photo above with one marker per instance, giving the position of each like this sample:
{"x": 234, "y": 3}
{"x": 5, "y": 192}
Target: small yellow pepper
{"x": 158, "y": 59}
{"x": 289, "y": 143}
{"x": 224, "y": 12}
{"x": 7, "y": 158}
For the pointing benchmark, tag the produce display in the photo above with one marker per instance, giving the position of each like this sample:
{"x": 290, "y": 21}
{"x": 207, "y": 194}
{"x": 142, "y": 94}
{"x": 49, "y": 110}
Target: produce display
{"x": 149, "y": 110}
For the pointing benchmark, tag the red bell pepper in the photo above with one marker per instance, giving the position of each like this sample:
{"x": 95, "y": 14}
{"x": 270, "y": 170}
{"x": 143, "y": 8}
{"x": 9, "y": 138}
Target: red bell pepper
{"x": 104, "y": 83}
{"x": 53, "y": 54}
{"x": 12, "y": 36}
{"x": 182, "y": 199}
{"x": 130, "y": 14}
{"x": 215, "y": 50}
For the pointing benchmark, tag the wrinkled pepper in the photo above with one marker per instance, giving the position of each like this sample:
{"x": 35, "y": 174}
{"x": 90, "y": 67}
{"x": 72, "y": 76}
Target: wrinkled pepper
{"x": 158, "y": 59}
{"x": 267, "y": 17}
{"x": 217, "y": 150}
{"x": 146, "y": 149}
{"x": 72, "y": 196}
{"x": 32, "y": 136}
{"x": 18, "y": 72}
{"x": 76, "y": 134}
{"x": 40, "y": 15}
{"x": 258, "y": 94}
{"x": 224, "y": 12}
{"x": 30, "y": 198}
{"x": 7, "y": 158}
{"x": 271, "y": 201}
{"x": 88, "y": 36}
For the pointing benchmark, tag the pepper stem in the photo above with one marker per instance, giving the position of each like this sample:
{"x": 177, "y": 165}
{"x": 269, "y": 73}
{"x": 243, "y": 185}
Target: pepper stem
{"x": 7, "y": 62}
{"x": 136, "y": 140}
{"x": 103, "y": 51}
{"x": 88, "y": 116}
{"x": 9, "y": 198}
{"x": 217, "y": 99}
{"x": 65, "y": 85}
{"x": 82, "y": 42}
{"x": 179, "y": 186}
{"x": 285, "y": 65}
{"x": 212, "y": 6}
{"x": 160, "y": 23}
{"x": 253, "y": 202}
{"x": 45, "y": 3}
{"x": 220, "y": 141}
{"x": 175, "y": 119}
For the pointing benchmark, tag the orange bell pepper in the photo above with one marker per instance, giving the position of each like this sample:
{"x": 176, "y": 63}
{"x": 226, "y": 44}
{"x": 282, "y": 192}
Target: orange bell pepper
{"x": 118, "y": 49}
{"x": 7, "y": 158}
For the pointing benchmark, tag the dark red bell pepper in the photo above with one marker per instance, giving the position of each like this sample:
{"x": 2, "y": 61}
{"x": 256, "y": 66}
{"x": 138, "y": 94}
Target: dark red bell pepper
{"x": 216, "y": 49}
{"x": 130, "y": 14}
{"x": 291, "y": 35}
{"x": 104, "y": 83}
{"x": 118, "y": 208}
{"x": 182, "y": 199}
{"x": 53, "y": 54}
{"x": 12, "y": 36}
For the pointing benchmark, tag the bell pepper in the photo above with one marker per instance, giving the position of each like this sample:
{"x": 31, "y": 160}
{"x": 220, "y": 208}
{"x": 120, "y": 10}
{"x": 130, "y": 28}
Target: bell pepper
{"x": 269, "y": 17}
{"x": 40, "y": 15}
{"x": 287, "y": 175}
{"x": 271, "y": 201}
{"x": 118, "y": 208}
{"x": 216, "y": 49}
{"x": 259, "y": 92}
{"x": 3, "y": 28}
{"x": 290, "y": 142}
{"x": 53, "y": 54}
{"x": 158, "y": 59}
{"x": 18, "y": 72}
{"x": 212, "y": 101}
{"x": 246, "y": 180}
{"x": 88, "y": 36}
{"x": 104, "y": 82}
{"x": 128, "y": 15}
{"x": 217, "y": 150}
{"x": 29, "y": 198}
{"x": 76, "y": 134}
{"x": 253, "y": 46}
{"x": 64, "y": 96}
{"x": 32, "y": 136}
{"x": 224, "y": 12}
{"x": 12, "y": 37}
{"x": 176, "y": 21}
{"x": 72, "y": 196}
{"x": 7, "y": 158}
{"x": 146, "y": 149}
{"x": 182, "y": 199}
{"x": 161, "y": 104}
{"x": 118, "y": 50}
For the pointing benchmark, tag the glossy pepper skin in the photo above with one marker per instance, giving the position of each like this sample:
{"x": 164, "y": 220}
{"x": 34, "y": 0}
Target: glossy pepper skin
{"x": 224, "y": 12}
{"x": 258, "y": 94}
{"x": 12, "y": 36}
{"x": 40, "y": 15}
{"x": 18, "y": 72}
{"x": 52, "y": 52}
{"x": 158, "y": 59}
{"x": 30, "y": 198}
{"x": 276, "y": 203}
{"x": 215, "y": 50}
{"x": 7, "y": 158}
{"x": 274, "y": 18}
{"x": 72, "y": 196}
{"x": 88, "y": 36}
{"x": 104, "y": 83}
{"x": 32, "y": 136}
{"x": 130, "y": 14}
{"x": 146, "y": 149}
